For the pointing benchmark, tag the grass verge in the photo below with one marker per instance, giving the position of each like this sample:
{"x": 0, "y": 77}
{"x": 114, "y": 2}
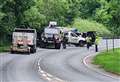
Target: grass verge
{"x": 110, "y": 61}
{"x": 4, "y": 48}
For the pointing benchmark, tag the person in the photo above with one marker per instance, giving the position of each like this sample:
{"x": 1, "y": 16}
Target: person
{"x": 64, "y": 42}
{"x": 88, "y": 39}
{"x": 96, "y": 43}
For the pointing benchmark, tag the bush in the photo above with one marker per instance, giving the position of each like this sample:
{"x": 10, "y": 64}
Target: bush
{"x": 4, "y": 48}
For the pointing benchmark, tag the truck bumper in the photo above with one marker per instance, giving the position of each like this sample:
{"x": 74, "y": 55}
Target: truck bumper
{"x": 15, "y": 49}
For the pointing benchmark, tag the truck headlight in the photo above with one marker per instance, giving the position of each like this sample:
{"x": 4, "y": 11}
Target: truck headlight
{"x": 56, "y": 37}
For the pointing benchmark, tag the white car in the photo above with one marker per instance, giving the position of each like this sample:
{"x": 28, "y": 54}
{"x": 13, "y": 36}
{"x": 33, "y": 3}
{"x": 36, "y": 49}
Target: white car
{"x": 73, "y": 38}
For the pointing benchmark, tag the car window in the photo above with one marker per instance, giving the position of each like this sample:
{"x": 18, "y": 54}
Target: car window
{"x": 73, "y": 35}
{"x": 66, "y": 34}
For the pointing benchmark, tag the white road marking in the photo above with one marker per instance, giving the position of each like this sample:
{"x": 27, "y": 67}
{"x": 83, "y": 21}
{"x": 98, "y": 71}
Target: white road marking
{"x": 49, "y": 79}
{"x": 41, "y": 71}
{"x": 48, "y": 76}
{"x": 39, "y": 68}
{"x": 44, "y": 75}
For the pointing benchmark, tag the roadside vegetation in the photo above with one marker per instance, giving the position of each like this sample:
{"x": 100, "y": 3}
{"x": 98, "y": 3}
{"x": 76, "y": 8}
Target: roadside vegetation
{"x": 4, "y": 48}
{"x": 100, "y": 15}
{"x": 5, "y": 45}
{"x": 84, "y": 25}
{"x": 110, "y": 61}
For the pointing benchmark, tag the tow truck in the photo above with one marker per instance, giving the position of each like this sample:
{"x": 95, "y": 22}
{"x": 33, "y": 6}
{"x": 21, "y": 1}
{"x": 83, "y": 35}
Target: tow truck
{"x": 52, "y": 36}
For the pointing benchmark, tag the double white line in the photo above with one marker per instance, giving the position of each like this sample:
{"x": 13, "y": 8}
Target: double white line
{"x": 47, "y": 76}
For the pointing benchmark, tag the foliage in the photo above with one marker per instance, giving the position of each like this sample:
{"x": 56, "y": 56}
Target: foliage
{"x": 88, "y": 25}
{"x": 37, "y": 14}
{"x": 4, "y": 48}
{"x": 88, "y": 8}
{"x": 108, "y": 13}
{"x": 34, "y": 18}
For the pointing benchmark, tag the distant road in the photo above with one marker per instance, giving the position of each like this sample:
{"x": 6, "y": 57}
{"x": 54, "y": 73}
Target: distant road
{"x": 64, "y": 64}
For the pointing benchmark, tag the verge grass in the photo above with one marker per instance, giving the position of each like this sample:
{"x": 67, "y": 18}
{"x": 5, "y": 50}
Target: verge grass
{"x": 110, "y": 61}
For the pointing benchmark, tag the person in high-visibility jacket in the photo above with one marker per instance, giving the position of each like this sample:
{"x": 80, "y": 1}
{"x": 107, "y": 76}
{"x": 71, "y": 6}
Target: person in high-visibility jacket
{"x": 97, "y": 43}
{"x": 88, "y": 40}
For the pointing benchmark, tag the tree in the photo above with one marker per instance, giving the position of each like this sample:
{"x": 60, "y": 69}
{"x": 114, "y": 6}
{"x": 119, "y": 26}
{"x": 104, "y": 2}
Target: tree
{"x": 20, "y": 6}
{"x": 54, "y": 10}
{"x": 17, "y": 9}
{"x": 34, "y": 18}
{"x": 109, "y": 14}
{"x": 13, "y": 11}
{"x": 102, "y": 14}
{"x": 88, "y": 8}
{"x": 73, "y": 12}
{"x": 115, "y": 12}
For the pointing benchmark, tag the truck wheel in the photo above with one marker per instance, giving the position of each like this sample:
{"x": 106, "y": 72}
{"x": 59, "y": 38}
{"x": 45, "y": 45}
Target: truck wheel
{"x": 32, "y": 49}
{"x": 12, "y": 52}
{"x": 29, "y": 51}
{"x": 42, "y": 45}
{"x": 81, "y": 43}
{"x": 57, "y": 45}
{"x": 64, "y": 45}
{"x": 77, "y": 45}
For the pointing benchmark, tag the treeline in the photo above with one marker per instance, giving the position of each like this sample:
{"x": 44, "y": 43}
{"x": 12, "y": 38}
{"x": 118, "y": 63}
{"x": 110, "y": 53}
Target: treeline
{"x": 37, "y": 13}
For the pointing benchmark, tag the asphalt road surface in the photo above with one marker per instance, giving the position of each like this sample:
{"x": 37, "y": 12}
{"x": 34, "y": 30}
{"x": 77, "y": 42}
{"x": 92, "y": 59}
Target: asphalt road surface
{"x": 66, "y": 64}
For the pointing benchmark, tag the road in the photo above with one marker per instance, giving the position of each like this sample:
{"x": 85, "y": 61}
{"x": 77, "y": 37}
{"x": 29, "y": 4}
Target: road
{"x": 64, "y": 64}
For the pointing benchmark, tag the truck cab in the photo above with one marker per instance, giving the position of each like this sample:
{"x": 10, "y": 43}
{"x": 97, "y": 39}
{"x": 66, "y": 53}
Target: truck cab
{"x": 52, "y": 24}
{"x": 51, "y": 36}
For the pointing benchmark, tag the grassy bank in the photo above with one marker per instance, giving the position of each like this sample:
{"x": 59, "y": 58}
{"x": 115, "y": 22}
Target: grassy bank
{"x": 110, "y": 61}
{"x": 84, "y": 25}
{"x": 4, "y": 48}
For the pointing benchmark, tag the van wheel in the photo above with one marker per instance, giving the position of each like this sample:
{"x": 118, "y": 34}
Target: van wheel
{"x": 81, "y": 43}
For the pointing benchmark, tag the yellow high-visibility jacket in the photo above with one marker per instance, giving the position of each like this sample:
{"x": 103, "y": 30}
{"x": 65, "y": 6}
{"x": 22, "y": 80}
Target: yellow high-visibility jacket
{"x": 88, "y": 39}
{"x": 97, "y": 41}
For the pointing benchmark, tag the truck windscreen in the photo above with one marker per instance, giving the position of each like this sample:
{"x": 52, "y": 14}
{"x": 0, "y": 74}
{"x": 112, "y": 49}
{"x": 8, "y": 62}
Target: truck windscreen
{"x": 51, "y": 31}
{"x": 22, "y": 30}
